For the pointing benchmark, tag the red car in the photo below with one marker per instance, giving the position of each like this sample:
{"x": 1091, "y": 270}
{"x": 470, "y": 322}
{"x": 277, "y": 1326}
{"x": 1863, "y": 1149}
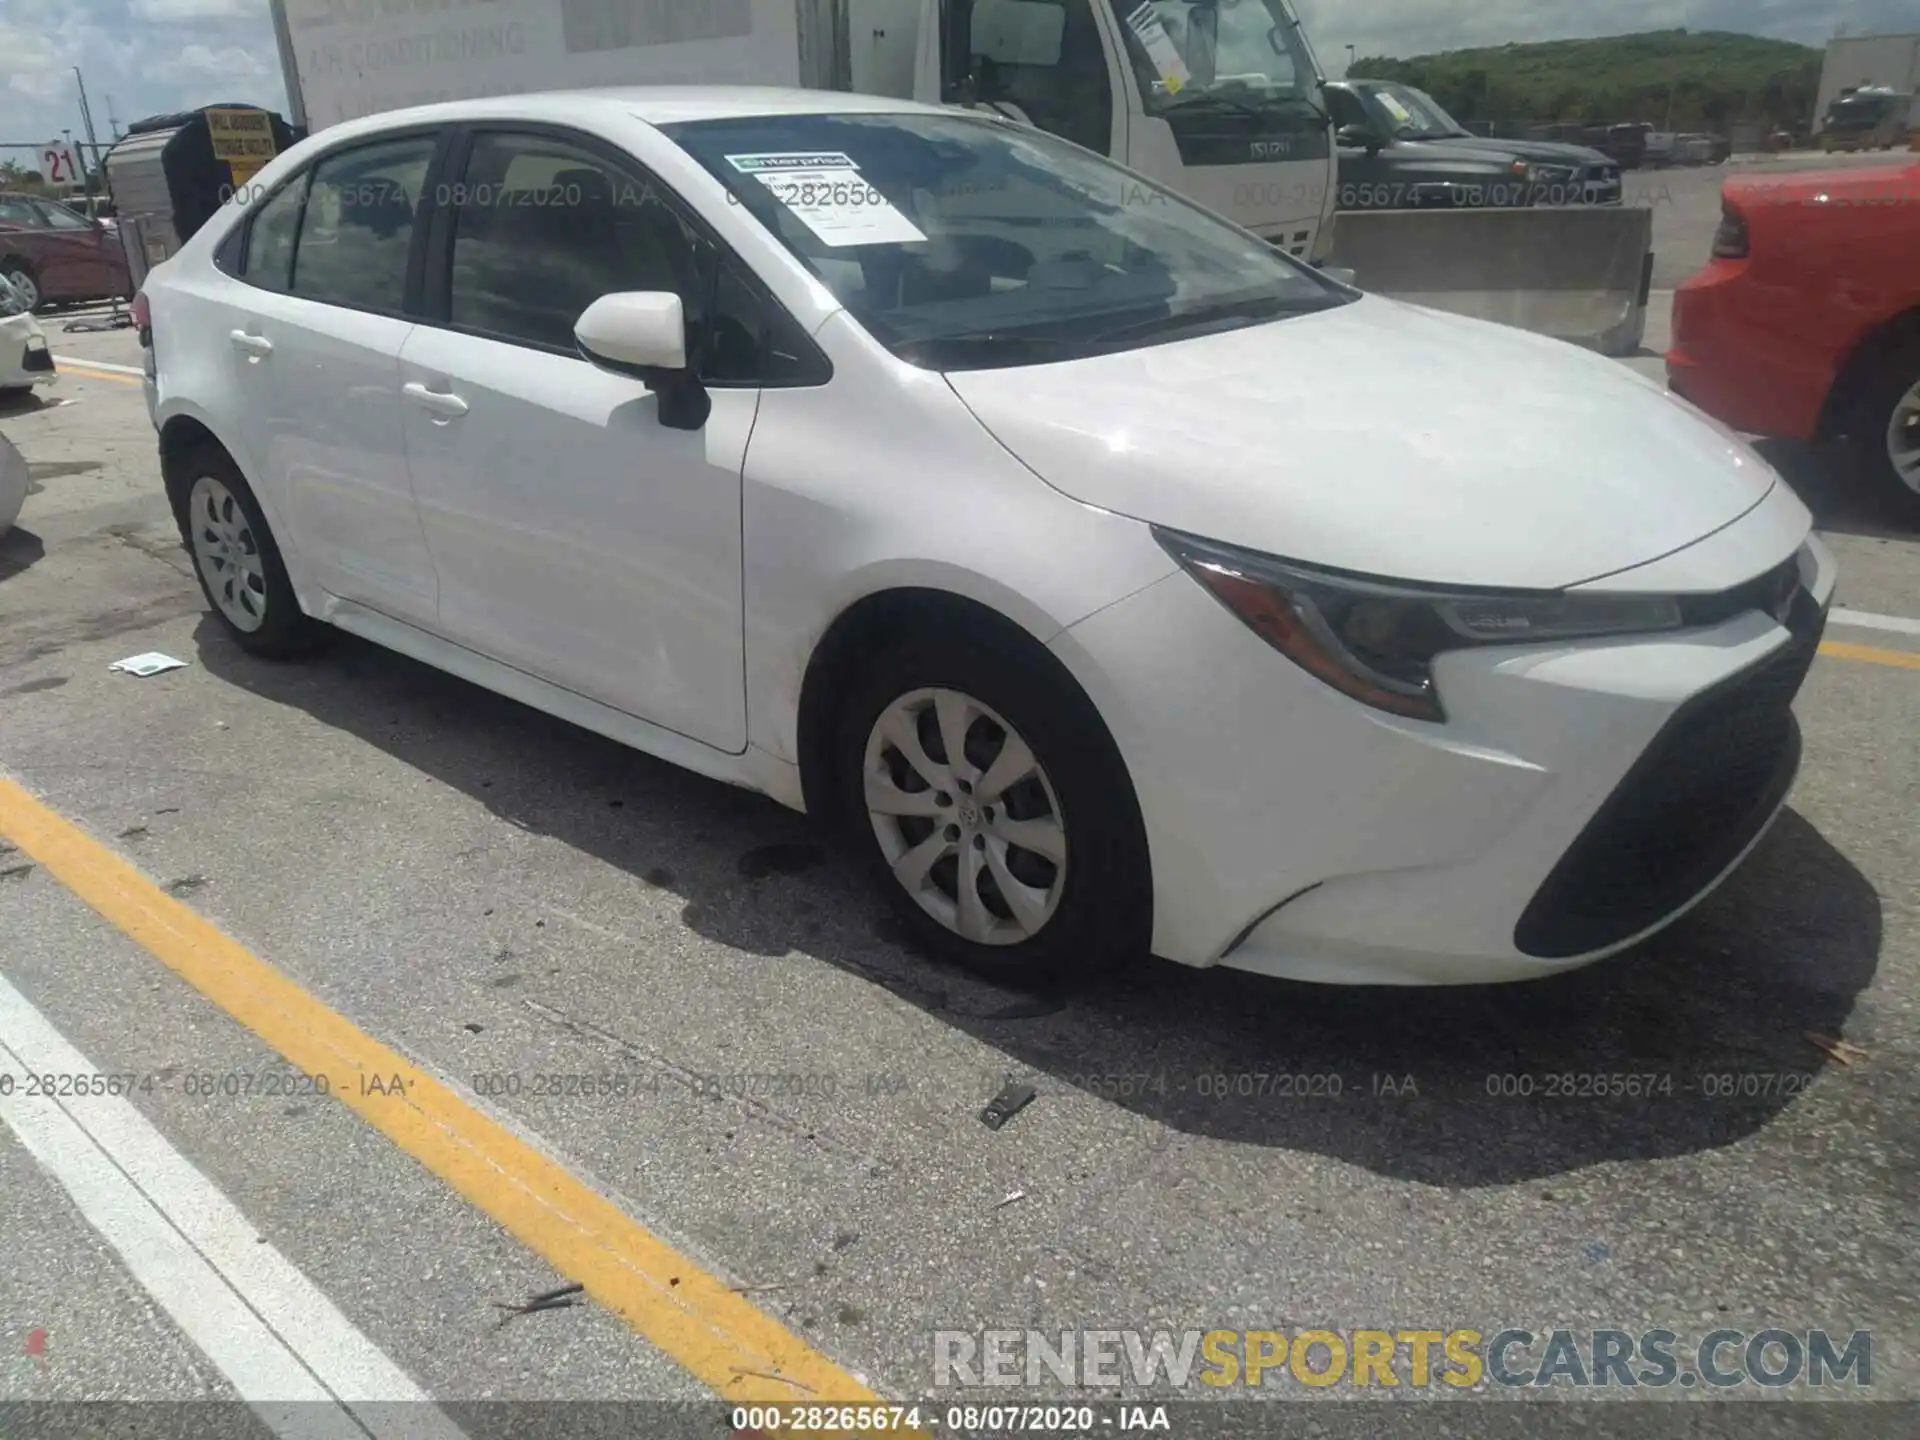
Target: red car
{"x": 1806, "y": 325}
{"x": 54, "y": 255}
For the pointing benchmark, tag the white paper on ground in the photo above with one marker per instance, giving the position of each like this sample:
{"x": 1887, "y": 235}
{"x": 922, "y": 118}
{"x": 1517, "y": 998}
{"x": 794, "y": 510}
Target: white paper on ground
{"x": 151, "y": 663}
{"x": 826, "y": 192}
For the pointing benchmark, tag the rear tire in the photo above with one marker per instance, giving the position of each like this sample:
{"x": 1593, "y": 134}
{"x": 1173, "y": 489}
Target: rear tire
{"x": 234, "y": 555}
{"x": 1026, "y": 861}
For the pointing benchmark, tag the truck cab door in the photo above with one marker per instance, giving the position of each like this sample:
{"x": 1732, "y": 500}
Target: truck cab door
{"x": 1223, "y": 105}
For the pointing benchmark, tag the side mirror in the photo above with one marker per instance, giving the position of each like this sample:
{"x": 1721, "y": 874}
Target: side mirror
{"x": 643, "y": 333}
{"x": 1340, "y": 275}
{"x": 634, "y": 331}
{"x": 1360, "y": 137}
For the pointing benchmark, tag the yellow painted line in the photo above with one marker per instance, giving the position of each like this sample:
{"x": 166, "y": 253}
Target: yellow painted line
{"x": 87, "y": 372}
{"x": 1870, "y": 655}
{"x": 712, "y": 1332}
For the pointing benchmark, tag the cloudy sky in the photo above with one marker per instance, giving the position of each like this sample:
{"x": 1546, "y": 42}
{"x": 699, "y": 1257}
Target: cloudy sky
{"x": 153, "y": 56}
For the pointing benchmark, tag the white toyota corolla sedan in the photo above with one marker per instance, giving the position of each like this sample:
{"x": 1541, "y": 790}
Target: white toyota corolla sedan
{"x": 1120, "y": 583}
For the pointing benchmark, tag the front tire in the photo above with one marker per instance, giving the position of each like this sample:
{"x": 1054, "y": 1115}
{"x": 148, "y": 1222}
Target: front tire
{"x": 20, "y": 275}
{"x": 995, "y": 809}
{"x": 1885, "y": 433}
{"x": 234, "y": 554}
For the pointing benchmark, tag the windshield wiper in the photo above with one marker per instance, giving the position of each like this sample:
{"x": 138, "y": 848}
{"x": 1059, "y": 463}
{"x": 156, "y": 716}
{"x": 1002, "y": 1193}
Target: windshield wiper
{"x": 1208, "y": 101}
{"x": 938, "y": 350}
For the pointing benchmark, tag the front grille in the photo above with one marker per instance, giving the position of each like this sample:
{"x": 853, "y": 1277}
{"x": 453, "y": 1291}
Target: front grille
{"x": 1703, "y": 790}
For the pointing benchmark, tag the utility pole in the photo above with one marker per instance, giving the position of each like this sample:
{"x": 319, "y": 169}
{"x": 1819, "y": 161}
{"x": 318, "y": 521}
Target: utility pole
{"x": 113, "y": 125}
{"x": 93, "y": 140}
{"x": 1349, "y": 60}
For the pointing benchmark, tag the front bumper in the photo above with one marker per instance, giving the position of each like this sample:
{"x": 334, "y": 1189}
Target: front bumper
{"x": 1296, "y": 834}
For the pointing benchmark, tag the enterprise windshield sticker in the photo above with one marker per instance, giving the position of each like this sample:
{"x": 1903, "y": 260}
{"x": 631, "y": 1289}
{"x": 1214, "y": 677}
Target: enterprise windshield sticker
{"x": 825, "y": 191}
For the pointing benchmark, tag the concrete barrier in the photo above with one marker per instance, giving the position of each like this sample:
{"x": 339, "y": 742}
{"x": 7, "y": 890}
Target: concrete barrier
{"x": 1579, "y": 275}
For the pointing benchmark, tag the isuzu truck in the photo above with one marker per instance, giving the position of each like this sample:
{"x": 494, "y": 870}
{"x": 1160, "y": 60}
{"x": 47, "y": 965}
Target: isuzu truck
{"x": 1217, "y": 99}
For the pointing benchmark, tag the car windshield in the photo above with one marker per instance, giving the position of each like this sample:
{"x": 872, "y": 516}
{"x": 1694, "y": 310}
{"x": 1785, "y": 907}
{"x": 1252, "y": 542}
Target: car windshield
{"x": 59, "y": 217}
{"x": 1238, "y": 53}
{"x": 1412, "y": 114}
{"x": 965, "y": 242}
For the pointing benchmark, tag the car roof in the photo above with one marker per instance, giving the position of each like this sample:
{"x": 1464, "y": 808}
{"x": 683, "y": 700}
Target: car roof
{"x": 654, "y": 104}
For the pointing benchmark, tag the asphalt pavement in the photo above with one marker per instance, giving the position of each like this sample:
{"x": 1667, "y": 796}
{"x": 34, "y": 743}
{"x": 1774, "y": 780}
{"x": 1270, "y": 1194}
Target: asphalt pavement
{"x": 657, "y": 1038}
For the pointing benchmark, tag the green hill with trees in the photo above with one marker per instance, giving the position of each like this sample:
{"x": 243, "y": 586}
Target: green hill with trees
{"x": 1675, "y": 79}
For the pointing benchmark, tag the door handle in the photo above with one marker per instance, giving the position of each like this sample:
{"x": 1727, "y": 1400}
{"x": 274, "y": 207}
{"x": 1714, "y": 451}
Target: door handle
{"x": 434, "y": 402}
{"x": 252, "y": 344}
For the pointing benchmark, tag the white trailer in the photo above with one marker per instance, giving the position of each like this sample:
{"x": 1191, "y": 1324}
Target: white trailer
{"x": 1865, "y": 61}
{"x": 1219, "y": 100}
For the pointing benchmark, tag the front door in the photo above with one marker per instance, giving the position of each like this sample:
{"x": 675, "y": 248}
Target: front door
{"x": 576, "y": 537}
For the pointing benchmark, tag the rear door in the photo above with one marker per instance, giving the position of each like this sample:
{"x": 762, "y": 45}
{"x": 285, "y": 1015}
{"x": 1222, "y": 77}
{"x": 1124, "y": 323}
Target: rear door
{"x": 314, "y": 339}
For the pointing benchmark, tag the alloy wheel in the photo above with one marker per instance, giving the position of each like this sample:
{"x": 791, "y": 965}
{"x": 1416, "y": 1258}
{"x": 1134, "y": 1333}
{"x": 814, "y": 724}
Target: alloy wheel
{"x": 29, "y": 289}
{"x": 966, "y": 816}
{"x": 1903, "y": 438}
{"x": 228, "y": 554}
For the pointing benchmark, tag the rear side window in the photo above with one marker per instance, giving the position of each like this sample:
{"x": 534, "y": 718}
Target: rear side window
{"x": 357, "y": 230}
{"x": 18, "y": 212}
{"x": 269, "y": 262}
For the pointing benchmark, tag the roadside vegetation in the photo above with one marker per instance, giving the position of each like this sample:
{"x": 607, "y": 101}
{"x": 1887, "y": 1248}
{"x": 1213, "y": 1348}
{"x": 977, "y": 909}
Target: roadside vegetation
{"x": 1674, "y": 79}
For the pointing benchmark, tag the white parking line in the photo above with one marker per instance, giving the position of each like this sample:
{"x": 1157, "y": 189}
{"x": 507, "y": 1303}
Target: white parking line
{"x": 99, "y": 365}
{"x": 1867, "y": 620}
{"x": 291, "y": 1355}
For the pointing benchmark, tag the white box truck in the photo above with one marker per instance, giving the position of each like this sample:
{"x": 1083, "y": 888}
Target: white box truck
{"x": 1219, "y": 100}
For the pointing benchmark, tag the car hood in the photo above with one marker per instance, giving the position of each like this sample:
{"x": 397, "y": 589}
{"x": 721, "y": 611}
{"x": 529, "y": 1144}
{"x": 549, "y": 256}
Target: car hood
{"x": 1538, "y": 152}
{"x": 1385, "y": 439}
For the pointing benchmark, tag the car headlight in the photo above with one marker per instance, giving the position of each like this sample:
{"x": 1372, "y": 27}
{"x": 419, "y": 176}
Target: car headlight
{"x": 1376, "y": 640}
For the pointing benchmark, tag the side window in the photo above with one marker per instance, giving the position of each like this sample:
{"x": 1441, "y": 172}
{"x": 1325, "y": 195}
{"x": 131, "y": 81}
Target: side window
{"x": 752, "y": 341}
{"x": 1046, "y": 57}
{"x": 18, "y": 212}
{"x": 270, "y": 236}
{"x": 1244, "y": 48}
{"x": 357, "y": 230}
{"x": 543, "y": 228}
{"x": 1347, "y": 110}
